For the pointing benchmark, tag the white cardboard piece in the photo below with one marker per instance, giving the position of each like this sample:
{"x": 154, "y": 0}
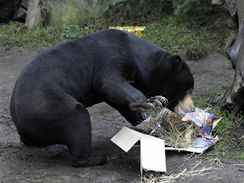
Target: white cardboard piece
{"x": 152, "y": 155}
{"x": 200, "y": 145}
{"x": 152, "y": 150}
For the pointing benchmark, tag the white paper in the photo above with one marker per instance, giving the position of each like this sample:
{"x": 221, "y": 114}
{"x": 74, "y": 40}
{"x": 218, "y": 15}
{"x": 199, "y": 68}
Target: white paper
{"x": 126, "y": 138}
{"x": 152, "y": 150}
{"x": 153, "y": 155}
{"x": 200, "y": 145}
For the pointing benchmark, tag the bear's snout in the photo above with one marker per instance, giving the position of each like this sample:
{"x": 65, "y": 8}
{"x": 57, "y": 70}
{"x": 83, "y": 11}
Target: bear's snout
{"x": 185, "y": 105}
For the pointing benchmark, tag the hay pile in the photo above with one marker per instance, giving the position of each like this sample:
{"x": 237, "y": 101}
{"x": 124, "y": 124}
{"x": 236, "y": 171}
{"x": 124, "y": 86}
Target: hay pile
{"x": 195, "y": 170}
{"x": 168, "y": 126}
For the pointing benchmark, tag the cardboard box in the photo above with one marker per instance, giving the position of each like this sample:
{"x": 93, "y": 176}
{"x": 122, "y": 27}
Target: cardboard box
{"x": 152, "y": 149}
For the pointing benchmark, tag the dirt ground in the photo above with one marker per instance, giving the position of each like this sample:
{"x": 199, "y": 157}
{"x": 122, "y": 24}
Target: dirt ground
{"x": 19, "y": 163}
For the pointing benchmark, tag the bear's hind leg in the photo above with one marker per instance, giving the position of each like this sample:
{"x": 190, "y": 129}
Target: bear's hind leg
{"x": 78, "y": 140}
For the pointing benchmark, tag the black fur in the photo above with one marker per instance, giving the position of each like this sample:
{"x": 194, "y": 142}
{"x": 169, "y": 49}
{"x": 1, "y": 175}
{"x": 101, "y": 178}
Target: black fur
{"x": 51, "y": 94}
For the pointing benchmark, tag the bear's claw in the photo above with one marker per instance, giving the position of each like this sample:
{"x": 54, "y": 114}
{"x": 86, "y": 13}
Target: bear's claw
{"x": 157, "y": 101}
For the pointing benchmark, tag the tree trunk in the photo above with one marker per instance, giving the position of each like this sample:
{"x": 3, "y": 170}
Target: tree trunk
{"x": 240, "y": 12}
{"x": 37, "y": 14}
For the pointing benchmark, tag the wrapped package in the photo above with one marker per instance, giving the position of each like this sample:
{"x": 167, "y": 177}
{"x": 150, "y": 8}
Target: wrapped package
{"x": 202, "y": 119}
{"x": 168, "y": 126}
{"x": 182, "y": 130}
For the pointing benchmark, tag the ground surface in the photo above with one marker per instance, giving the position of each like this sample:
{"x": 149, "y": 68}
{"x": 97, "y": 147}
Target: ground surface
{"x": 19, "y": 163}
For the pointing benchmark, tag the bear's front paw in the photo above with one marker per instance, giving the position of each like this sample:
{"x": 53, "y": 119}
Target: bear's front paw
{"x": 157, "y": 101}
{"x": 141, "y": 106}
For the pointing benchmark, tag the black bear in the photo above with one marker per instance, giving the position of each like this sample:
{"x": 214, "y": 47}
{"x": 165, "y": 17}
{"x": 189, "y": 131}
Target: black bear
{"x": 49, "y": 100}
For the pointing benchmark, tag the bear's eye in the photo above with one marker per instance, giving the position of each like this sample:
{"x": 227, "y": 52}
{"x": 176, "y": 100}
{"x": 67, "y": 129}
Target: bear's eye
{"x": 189, "y": 92}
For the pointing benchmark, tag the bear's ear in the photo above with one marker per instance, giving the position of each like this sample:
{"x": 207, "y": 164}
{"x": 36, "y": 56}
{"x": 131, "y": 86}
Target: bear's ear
{"x": 177, "y": 62}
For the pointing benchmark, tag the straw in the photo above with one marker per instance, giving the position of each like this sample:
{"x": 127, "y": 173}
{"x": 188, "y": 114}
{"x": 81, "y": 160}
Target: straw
{"x": 174, "y": 177}
{"x": 175, "y": 132}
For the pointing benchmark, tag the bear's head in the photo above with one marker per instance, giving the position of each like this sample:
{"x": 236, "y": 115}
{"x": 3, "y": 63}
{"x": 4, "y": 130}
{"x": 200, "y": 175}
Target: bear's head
{"x": 171, "y": 77}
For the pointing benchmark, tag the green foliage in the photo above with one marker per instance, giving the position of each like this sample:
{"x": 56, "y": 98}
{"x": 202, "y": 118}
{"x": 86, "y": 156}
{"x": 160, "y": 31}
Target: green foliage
{"x": 241, "y": 156}
{"x": 71, "y": 16}
{"x": 75, "y": 19}
{"x": 183, "y": 38}
{"x": 17, "y": 34}
{"x": 177, "y": 37}
{"x": 75, "y": 12}
{"x": 192, "y": 9}
{"x": 74, "y": 31}
{"x": 124, "y": 11}
{"x": 230, "y": 144}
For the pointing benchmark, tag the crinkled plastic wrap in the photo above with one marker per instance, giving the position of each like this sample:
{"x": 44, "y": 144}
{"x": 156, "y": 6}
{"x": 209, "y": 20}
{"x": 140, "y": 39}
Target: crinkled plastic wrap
{"x": 202, "y": 119}
{"x": 168, "y": 126}
{"x": 192, "y": 129}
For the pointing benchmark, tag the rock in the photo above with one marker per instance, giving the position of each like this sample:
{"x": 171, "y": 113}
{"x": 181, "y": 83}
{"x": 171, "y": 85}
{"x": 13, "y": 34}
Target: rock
{"x": 8, "y": 8}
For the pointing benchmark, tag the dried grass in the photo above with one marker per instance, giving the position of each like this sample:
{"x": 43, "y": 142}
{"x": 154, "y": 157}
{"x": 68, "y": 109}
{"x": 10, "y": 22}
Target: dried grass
{"x": 175, "y": 132}
{"x": 175, "y": 177}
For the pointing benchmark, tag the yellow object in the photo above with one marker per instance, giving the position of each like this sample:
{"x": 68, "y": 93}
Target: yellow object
{"x": 137, "y": 30}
